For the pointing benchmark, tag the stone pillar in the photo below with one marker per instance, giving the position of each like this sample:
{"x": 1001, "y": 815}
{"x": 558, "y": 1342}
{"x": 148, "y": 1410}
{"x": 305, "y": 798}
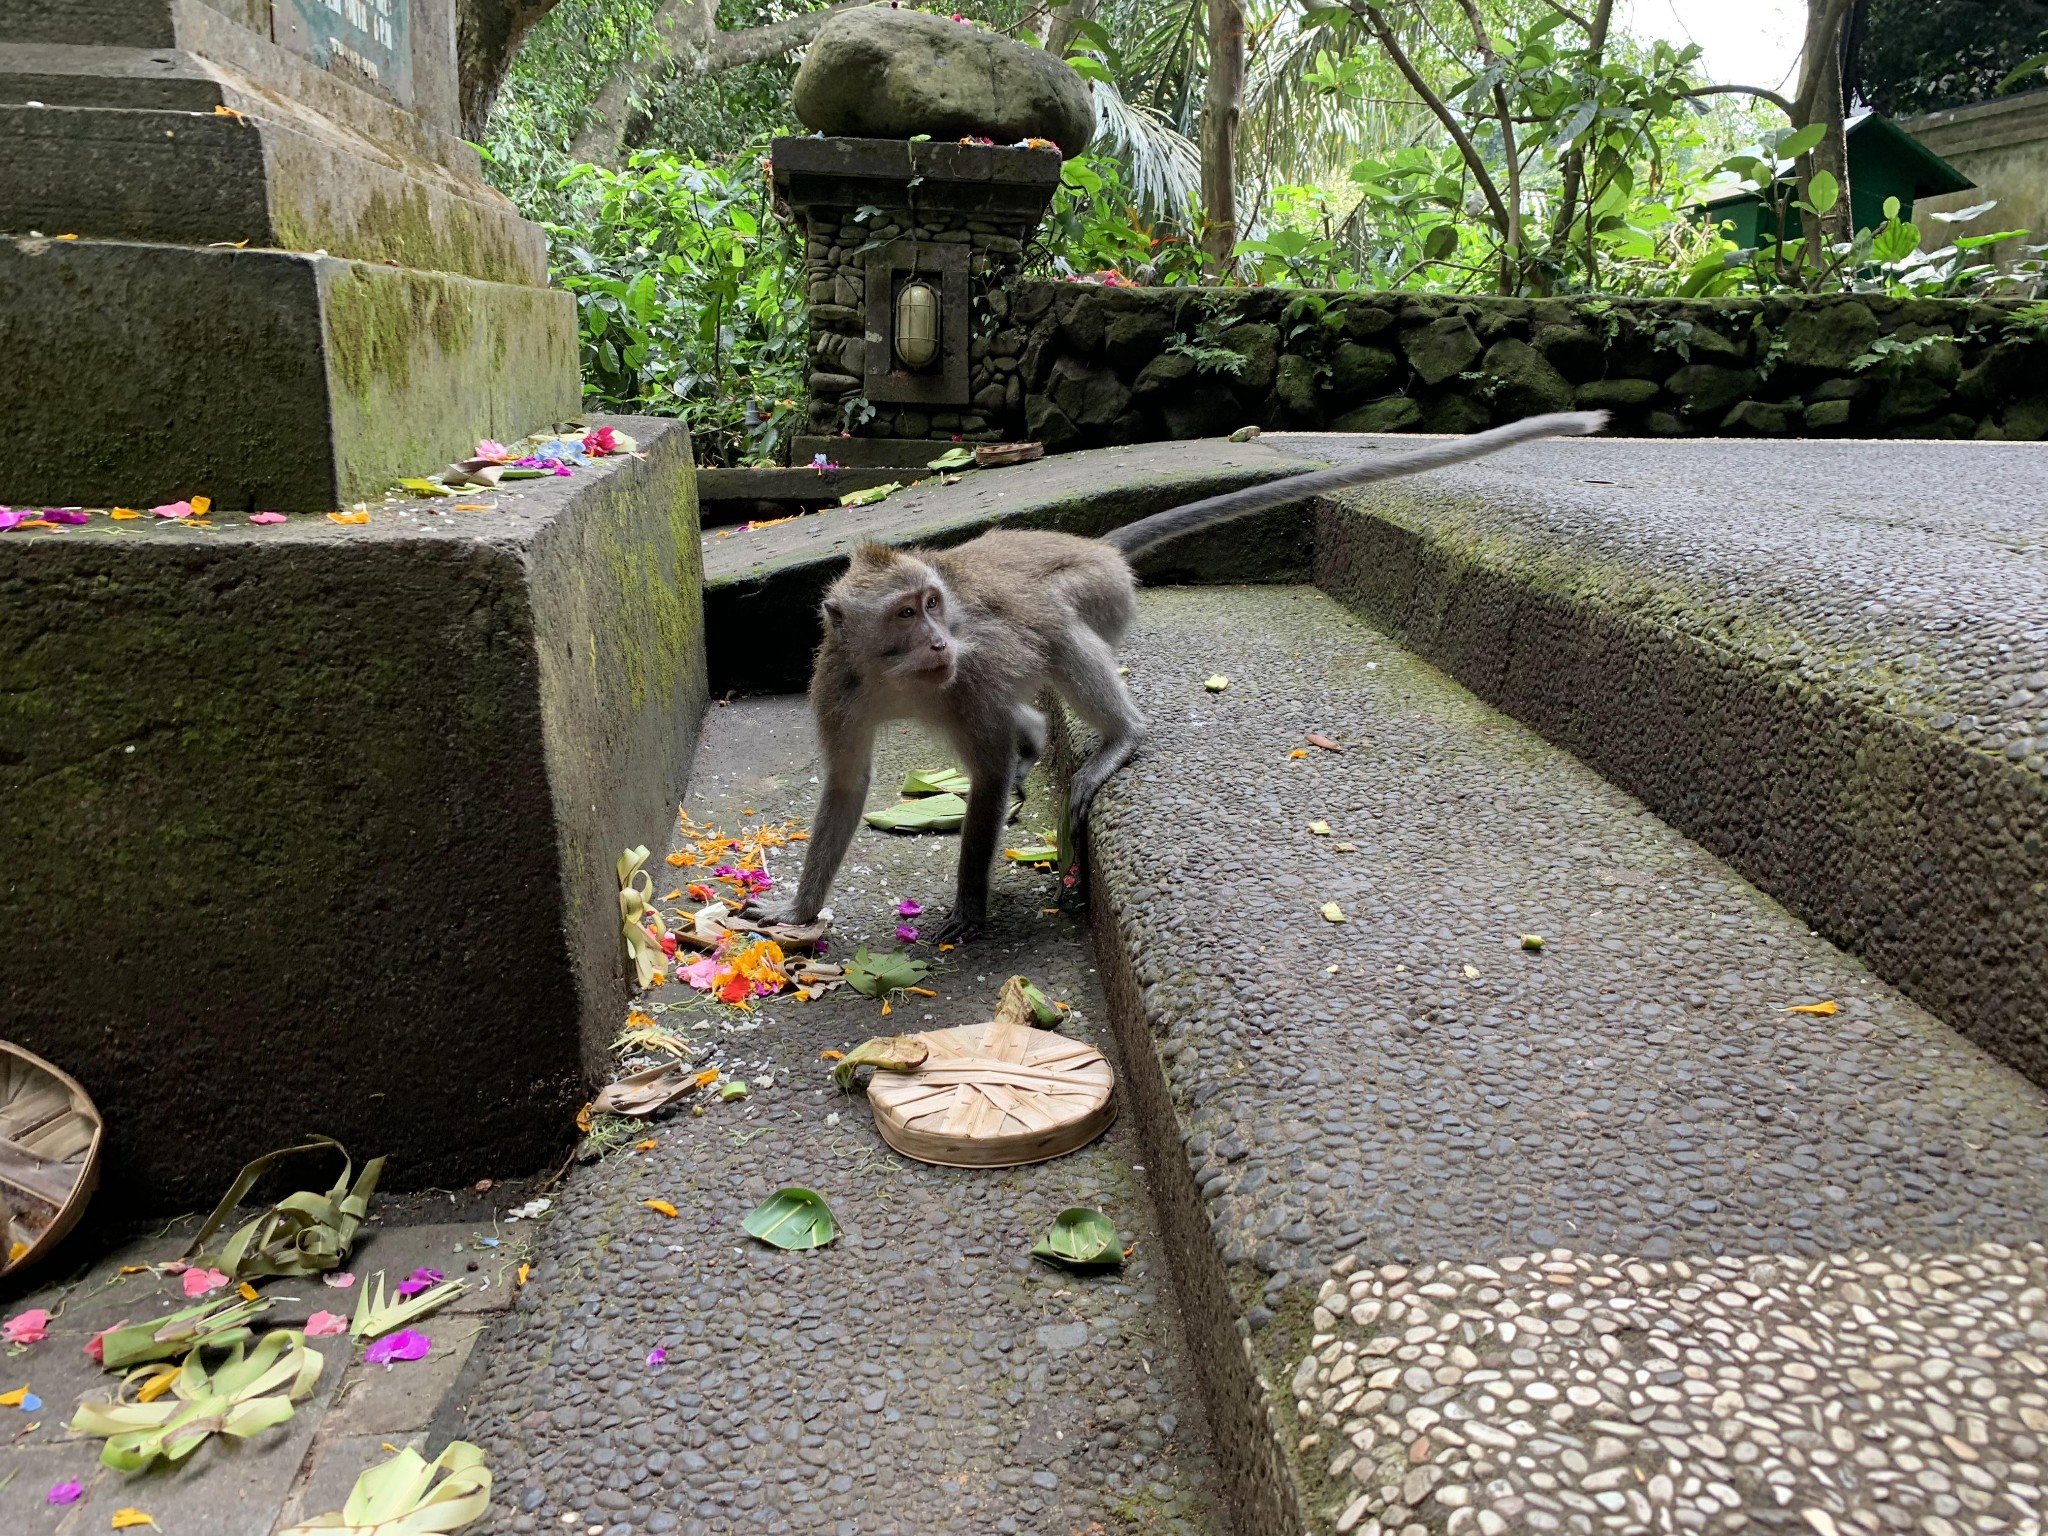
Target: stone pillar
{"x": 877, "y": 214}
{"x": 245, "y": 255}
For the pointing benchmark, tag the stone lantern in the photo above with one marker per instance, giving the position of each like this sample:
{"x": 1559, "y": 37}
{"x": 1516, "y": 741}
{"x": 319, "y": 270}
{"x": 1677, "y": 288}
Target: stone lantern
{"x": 938, "y": 150}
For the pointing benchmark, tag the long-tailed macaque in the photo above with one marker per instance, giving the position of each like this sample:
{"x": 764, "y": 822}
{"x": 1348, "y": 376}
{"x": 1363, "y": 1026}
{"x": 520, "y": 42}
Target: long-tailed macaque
{"x": 964, "y": 639}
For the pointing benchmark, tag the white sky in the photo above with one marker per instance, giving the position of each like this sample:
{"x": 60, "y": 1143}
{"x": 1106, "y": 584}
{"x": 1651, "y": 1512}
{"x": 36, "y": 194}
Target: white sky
{"x": 1743, "y": 42}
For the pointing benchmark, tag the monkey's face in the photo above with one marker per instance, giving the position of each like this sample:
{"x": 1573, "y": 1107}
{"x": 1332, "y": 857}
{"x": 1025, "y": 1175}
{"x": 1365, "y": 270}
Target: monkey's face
{"x": 917, "y": 641}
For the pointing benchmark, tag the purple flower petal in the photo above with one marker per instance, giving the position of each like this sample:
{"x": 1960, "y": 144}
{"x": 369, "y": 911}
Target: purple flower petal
{"x": 70, "y": 1491}
{"x": 906, "y": 933}
{"x": 407, "y": 1345}
{"x": 908, "y": 908}
{"x": 67, "y": 515}
{"x": 656, "y": 1358}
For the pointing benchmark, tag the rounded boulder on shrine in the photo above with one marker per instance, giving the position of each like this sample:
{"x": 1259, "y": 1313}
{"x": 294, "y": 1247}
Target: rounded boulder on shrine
{"x": 887, "y": 74}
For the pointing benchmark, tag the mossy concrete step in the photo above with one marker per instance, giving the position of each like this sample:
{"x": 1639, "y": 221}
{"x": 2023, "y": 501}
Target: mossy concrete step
{"x": 1480, "y": 1237}
{"x": 762, "y": 587}
{"x": 314, "y": 826}
{"x": 1826, "y": 661}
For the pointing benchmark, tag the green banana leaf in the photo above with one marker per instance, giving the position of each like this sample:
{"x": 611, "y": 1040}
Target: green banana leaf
{"x": 933, "y": 781}
{"x": 873, "y": 975}
{"x": 1081, "y": 1239}
{"x": 400, "y": 1498}
{"x": 934, "y": 813}
{"x": 871, "y": 495}
{"x": 376, "y": 1317}
{"x": 249, "y": 1392}
{"x": 792, "y": 1218}
{"x": 212, "y": 1324}
{"x": 303, "y": 1234}
{"x": 952, "y": 458}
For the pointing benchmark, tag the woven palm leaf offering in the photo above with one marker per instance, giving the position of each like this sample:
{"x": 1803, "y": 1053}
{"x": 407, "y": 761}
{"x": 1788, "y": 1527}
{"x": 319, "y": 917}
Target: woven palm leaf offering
{"x": 50, "y": 1135}
{"x": 995, "y": 1095}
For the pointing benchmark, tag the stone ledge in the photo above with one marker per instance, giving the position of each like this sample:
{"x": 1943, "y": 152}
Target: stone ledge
{"x": 313, "y": 827}
{"x": 1413, "y": 1087}
{"x": 1798, "y": 678}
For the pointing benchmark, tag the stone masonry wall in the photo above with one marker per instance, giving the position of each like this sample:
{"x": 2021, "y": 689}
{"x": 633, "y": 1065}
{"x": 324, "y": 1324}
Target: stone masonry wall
{"x": 836, "y": 246}
{"x": 1103, "y": 366}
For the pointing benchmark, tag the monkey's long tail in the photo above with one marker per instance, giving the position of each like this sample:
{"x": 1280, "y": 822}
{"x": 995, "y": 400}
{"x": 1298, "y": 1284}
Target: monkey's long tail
{"x": 1150, "y": 532}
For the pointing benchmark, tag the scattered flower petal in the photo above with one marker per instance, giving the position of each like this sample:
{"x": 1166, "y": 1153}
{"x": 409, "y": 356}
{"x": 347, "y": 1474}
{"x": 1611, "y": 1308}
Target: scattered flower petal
{"x": 199, "y": 1281}
{"x": 410, "y": 1344}
{"x": 419, "y": 1280}
{"x": 323, "y": 1325}
{"x": 70, "y": 1491}
{"x": 656, "y": 1359}
{"x": 1820, "y": 1010}
{"x": 30, "y": 1327}
{"x": 174, "y": 510}
{"x": 1217, "y": 683}
{"x": 909, "y": 909}
{"x": 340, "y": 1279}
{"x": 661, "y": 1207}
{"x": 1333, "y": 913}
{"x": 267, "y": 518}
{"x": 906, "y": 933}
{"x": 124, "y": 1519}
{"x": 15, "y": 1398}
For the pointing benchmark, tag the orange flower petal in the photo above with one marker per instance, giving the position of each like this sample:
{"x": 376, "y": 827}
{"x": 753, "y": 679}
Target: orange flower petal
{"x": 661, "y": 1206}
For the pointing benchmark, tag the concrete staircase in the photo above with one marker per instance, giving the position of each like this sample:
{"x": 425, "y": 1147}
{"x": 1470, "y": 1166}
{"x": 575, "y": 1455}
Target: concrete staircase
{"x": 1445, "y": 1233}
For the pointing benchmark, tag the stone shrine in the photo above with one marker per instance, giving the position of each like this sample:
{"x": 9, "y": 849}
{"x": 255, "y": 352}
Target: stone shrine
{"x": 939, "y": 149}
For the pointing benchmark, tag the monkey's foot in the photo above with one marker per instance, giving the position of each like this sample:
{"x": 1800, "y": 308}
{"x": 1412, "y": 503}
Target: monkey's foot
{"x": 958, "y": 927}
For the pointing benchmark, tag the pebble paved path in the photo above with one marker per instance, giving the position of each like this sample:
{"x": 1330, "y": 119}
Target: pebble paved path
{"x": 1605, "y": 1237}
{"x": 922, "y": 1375}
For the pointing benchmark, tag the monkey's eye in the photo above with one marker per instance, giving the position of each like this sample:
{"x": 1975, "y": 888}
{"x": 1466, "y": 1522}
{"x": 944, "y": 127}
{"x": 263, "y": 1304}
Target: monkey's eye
{"x": 906, "y": 613}
{"x": 931, "y": 602}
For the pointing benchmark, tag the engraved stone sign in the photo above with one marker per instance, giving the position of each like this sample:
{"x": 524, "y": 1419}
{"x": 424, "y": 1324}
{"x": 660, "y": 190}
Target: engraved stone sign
{"x": 369, "y": 41}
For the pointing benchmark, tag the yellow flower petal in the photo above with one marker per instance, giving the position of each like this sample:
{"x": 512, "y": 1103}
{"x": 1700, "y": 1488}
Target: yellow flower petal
{"x": 123, "y": 514}
{"x": 125, "y": 1518}
{"x": 1822, "y": 1010}
{"x": 15, "y": 1398}
{"x": 660, "y": 1206}
{"x": 201, "y": 505}
{"x": 248, "y": 1291}
{"x": 1334, "y": 913}
{"x": 1320, "y": 828}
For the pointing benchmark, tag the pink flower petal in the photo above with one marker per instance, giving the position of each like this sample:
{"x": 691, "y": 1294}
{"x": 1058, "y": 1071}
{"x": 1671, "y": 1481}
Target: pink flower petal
{"x": 407, "y": 1345}
{"x": 341, "y": 1279}
{"x": 656, "y": 1358}
{"x": 906, "y": 933}
{"x": 70, "y": 1491}
{"x": 323, "y": 1324}
{"x": 269, "y": 517}
{"x": 199, "y": 1281}
{"x": 96, "y": 1346}
{"x": 909, "y": 909}
{"x": 173, "y": 509}
{"x": 30, "y": 1327}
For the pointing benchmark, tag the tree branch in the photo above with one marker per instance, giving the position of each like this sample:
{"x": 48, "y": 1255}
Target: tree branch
{"x": 1575, "y": 158}
{"x": 1376, "y": 23}
{"x": 683, "y": 36}
{"x": 1782, "y": 103}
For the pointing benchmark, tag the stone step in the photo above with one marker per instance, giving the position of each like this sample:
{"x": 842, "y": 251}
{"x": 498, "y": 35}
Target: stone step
{"x": 1600, "y": 1237}
{"x": 922, "y": 1374}
{"x": 1826, "y": 661}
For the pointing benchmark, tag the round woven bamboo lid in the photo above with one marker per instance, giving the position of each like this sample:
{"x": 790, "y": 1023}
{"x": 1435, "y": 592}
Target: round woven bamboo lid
{"x": 993, "y": 1096}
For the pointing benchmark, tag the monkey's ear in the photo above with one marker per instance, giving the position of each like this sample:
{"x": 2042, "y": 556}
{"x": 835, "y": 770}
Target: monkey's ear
{"x": 835, "y": 613}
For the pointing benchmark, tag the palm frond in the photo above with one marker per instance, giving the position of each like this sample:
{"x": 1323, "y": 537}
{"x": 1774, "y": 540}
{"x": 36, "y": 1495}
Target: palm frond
{"x": 1165, "y": 166}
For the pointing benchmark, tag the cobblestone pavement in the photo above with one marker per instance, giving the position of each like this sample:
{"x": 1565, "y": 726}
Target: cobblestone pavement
{"x": 920, "y": 1375}
{"x": 1635, "y": 1247}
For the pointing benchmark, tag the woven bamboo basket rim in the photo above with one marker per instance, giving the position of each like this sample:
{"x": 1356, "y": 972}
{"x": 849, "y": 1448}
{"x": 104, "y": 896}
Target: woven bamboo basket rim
{"x": 995, "y": 1095}
{"x": 48, "y": 1170}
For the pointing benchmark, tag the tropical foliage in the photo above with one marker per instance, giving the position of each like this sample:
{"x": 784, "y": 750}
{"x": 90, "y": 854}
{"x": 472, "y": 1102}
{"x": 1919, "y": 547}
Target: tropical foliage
{"x": 1514, "y": 146}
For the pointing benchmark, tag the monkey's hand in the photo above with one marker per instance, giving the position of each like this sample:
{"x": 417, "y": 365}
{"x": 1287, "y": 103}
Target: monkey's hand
{"x": 782, "y": 914}
{"x": 960, "y": 926}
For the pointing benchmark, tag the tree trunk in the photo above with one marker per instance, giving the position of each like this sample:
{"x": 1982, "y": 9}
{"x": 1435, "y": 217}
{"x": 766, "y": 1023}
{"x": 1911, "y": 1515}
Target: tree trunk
{"x": 1060, "y": 25}
{"x": 487, "y": 35}
{"x": 1222, "y": 106}
{"x": 1820, "y": 100}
